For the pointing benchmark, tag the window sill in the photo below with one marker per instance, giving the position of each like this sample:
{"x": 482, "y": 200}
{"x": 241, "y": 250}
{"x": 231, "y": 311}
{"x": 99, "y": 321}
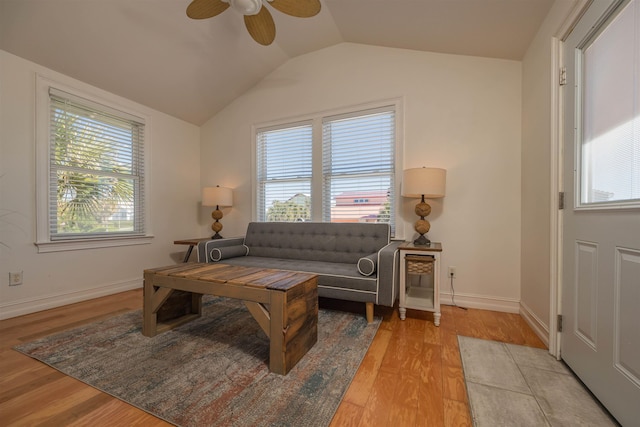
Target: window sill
{"x": 80, "y": 244}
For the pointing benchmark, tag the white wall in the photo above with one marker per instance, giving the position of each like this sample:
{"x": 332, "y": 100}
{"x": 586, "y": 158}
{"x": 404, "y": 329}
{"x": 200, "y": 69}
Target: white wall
{"x": 539, "y": 72}
{"x": 52, "y": 279}
{"x": 460, "y": 113}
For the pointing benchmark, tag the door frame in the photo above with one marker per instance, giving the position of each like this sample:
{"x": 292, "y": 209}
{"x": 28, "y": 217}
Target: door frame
{"x": 557, "y": 182}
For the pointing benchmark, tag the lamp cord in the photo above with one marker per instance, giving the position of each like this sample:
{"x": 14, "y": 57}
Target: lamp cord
{"x": 453, "y": 294}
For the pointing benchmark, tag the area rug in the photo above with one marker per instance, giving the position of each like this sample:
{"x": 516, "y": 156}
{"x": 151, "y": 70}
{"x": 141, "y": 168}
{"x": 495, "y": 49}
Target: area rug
{"x": 212, "y": 371}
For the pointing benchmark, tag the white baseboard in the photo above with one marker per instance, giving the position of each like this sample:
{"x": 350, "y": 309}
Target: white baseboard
{"x": 538, "y": 326}
{"x": 507, "y": 305}
{"x": 32, "y": 305}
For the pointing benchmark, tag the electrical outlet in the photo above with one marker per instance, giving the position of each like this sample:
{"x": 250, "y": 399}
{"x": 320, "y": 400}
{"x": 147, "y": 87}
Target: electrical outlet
{"x": 15, "y": 278}
{"x": 452, "y": 272}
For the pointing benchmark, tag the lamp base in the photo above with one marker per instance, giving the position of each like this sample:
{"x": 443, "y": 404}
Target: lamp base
{"x": 217, "y": 225}
{"x": 422, "y": 241}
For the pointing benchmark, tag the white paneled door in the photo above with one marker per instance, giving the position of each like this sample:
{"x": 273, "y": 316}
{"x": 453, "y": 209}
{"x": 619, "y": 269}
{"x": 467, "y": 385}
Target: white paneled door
{"x": 601, "y": 218}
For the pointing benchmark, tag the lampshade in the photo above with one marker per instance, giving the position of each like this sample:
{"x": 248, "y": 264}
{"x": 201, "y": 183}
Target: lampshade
{"x": 427, "y": 182}
{"x": 217, "y": 196}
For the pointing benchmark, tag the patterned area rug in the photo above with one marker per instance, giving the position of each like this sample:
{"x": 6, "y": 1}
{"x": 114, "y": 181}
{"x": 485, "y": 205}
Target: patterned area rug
{"x": 212, "y": 371}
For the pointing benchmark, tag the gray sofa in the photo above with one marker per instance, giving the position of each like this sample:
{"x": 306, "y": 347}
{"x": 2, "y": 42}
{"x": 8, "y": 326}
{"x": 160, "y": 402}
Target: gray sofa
{"x": 354, "y": 261}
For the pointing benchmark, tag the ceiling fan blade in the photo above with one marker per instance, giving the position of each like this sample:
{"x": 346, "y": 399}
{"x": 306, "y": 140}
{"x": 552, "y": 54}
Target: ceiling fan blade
{"x": 261, "y": 26}
{"x": 297, "y": 8}
{"x": 203, "y": 9}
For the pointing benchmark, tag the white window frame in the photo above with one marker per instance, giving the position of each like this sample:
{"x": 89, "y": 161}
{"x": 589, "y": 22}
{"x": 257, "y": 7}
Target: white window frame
{"x": 317, "y": 180}
{"x": 43, "y": 241}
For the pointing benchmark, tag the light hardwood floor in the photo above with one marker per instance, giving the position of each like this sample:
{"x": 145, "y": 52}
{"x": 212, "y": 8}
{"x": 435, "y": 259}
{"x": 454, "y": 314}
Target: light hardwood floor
{"x": 411, "y": 375}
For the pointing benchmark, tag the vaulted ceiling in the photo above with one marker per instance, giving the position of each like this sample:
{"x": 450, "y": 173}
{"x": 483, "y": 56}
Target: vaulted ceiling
{"x": 149, "y": 51}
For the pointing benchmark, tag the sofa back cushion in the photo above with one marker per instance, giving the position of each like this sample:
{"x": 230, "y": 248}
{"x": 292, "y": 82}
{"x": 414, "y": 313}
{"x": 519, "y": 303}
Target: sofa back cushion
{"x": 317, "y": 241}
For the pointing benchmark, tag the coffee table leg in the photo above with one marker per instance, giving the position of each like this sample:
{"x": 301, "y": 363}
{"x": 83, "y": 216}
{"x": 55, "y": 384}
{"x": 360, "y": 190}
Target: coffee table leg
{"x": 150, "y": 317}
{"x": 277, "y": 328}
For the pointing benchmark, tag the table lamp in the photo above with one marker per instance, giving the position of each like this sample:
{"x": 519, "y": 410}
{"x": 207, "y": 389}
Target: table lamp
{"x": 219, "y": 197}
{"x": 424, "y": 183}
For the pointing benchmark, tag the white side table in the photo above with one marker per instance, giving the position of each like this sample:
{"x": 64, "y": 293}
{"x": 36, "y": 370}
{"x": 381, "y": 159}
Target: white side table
{"x": 420, "y": 279}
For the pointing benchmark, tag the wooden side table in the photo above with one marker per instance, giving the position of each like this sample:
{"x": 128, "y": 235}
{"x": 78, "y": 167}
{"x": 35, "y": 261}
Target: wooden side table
{"x": 420, "y": 279}
{"x": 191, "y": 243}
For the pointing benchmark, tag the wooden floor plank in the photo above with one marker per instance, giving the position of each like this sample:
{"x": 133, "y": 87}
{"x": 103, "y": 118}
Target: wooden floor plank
{"x": 411, "y": 375}
{"x": 430, "y": 411}
{"x": 404, "y": 407}
{"x": 380, "y": 403}
{"x": 116, "y": 413}
{"x": 453, "y": 386}
{"x": 347, "y": 415}
{"x": 358, "y": 392}
{"x": 456, "y": 414}
{"x": 450, "y": 349}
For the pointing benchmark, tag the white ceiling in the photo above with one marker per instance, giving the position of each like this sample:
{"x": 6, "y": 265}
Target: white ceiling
{"x": 149, "y": 51}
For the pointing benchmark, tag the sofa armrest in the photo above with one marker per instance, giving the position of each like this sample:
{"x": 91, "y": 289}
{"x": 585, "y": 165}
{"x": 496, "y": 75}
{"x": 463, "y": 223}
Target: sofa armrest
{"x": 205, "y": 247}
{"x": 388, "y": 274}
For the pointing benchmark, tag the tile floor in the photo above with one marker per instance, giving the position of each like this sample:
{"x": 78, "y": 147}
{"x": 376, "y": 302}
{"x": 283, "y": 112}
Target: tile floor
{"x": 516, "y": 385}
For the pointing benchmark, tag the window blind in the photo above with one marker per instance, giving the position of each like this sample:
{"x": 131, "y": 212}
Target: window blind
{"x": 610, "y": 163}
{"x": 96, "y": 170}
{"x": 284, "y": 173}
{"x": 359, "y": 167}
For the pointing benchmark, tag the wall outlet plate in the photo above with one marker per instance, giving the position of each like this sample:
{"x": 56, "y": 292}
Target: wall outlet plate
{"x": 15, "y": 278}
{"x": 452, "y": 272}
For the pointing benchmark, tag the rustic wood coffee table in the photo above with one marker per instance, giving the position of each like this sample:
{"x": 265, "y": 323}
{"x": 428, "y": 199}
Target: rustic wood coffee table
{"x": 284, "y": 303}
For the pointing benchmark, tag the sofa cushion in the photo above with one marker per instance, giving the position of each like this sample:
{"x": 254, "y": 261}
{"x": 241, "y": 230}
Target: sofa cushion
{"x": 330, "y": 274}
{"x": 218, "y": 254}
{"x": 367, "y": 265}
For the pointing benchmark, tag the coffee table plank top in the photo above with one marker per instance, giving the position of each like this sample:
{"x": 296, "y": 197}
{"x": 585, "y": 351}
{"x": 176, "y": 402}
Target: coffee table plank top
{"x": 287, "y": 282}
{"x": 167, "y": 270}
{"x": 270, "y": 277}
{"x": 220, "y": 274}
{"x": 196, "y": 271}
{"x": 228, "y": 275}
{"x": 255, "y": 277}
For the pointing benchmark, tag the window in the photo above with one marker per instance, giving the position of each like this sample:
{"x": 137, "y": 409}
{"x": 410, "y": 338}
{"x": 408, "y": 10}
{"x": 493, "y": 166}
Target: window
{"x": 332, "y": 168}
{"x": 283, "y": 157}
{"x": 610, "y": 149}
{"x": 93, "y": 156}
{"x": 358, "y": 165}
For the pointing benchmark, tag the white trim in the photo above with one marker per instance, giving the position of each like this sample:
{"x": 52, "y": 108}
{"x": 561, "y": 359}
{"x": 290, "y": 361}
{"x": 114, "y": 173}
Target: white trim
{"x": 366, "y": 278}
{"x": 40, "y": 303}
{"x": 536, "y": 324}
{"x": 483, "y": 302}
{"x": 86, "y": 102}
{"x": 606, "y": 206}
{"x": 557, "y": 185}
{"x": 572, "y": 19}
{"x": 344, "y": 289}
{"x": 75, "y": 245}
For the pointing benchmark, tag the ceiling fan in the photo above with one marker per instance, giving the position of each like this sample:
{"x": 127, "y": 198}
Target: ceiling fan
{"x": 257, "y": 17}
